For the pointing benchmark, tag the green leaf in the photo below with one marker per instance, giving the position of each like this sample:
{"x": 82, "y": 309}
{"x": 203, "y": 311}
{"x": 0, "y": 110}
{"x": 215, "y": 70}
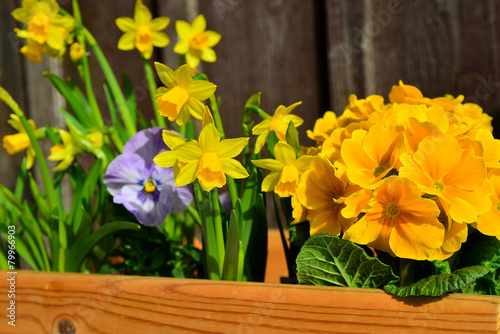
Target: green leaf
{"x": 271, "y": 142}
{"x": 328, "y": 260}
{"x": 82, "y": 247}
{"x": 486, "y": 285}
{"x": 129, "y": 95}
{"x": 292, "y": 138}
{"x": 437, "y": 285}
{"x": 113, "y": 113}
{"x": 480, "y": 250}
{"x": 230, "y": 267}
{"x": 254, "y": 100}
{"x": 256, "y": 253}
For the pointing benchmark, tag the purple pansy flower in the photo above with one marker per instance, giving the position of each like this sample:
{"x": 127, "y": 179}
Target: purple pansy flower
{"x": 144, "y": 188}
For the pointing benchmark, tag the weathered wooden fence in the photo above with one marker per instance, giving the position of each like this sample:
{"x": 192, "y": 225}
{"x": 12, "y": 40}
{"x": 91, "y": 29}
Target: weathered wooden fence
{"x": 314, "y": 51}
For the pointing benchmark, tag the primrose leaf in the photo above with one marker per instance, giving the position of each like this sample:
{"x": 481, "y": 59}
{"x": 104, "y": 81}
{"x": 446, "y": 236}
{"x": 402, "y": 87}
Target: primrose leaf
{"x": 328, "y": 260}
{"x": 437, "y": 285}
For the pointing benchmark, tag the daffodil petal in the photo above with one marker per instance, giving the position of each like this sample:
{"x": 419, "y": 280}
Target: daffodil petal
{"x": 229, "y": 148}
{"x": 181, "y": 47}
{"x": 188, "y": 152}
{"x": 127, "y": 41}
{"x": 187, "y": 174}
{"x": 303, "y": 162}
{"x": 233, "y": 168}
{"x": 209, "y": 138}
{"x": 159, "y": 23}
{"x": 183, "y": 76}
{"x": 172, "y": 139}
{"x": 192, "y": 60}
{"x": 166, "y": 74}
{"x": 165, "y": 159}
{"x": 142, "y": 15}
{"x": 208, "y": 55}
{"x": 261, "y": 141}
{"x": 160, "y": 39}
{"x": 201, "y": 89}
{"x": 183, "y": 29}
{"x": 270, "y": 181}
{"x": 284, "y": 153}
{"x": 199, "y": 24}
{"x": 126, "y": 24}
{"x": 195, "y": 108}
{"x": 213, "y": 37}
{"x": 271, "y": 164}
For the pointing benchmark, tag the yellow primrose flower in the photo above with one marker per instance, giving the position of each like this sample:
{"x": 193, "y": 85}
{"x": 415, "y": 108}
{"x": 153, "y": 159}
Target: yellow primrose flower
{"x": 182, "y": 95}
{"x": 279, "y": 123}
{"x": 406, "y": 94}
{"x": 443, "y": 168}
{"x": 489, "y": 222}
{"x": 323, "y": 127}
{"x": 370, "y": 155}
{"x": 322, "y": 193}
{"x": 47, "y": 30}
{"x": 196, "y": 42}
{"x": 399, "y": 221}
{"x": 455, "y": 234}
{"x": 207, "y": 159}
{"x": 142, "y": 32}
{"x": 20, "y": 141}
{"x": 359, "y": 110}
{"x": 285, "y": 170}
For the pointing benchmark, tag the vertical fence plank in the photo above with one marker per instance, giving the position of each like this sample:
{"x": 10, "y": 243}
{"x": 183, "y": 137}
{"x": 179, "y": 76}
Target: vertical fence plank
{"x": 345, "y": 51}
{"x": 11, "y": 78}
{"x": 268, "y": 47}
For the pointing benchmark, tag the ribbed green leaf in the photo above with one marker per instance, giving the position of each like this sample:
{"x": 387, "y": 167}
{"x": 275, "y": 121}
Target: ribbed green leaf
{"x": 231, "y": 257}
{"x": 328, "y": 260}
{"x": 437, "y": 285}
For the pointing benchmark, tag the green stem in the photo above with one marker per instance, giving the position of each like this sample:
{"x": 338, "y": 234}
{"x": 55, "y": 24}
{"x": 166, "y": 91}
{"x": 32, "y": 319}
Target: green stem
{"x": 282, "y": 234}
{"x": 96, "y": 113}
{"x": 160, "y": 120}
{"x": 219, "y": 234}
{"x": 217, "y": 119}
{"x": 113, "y": 84}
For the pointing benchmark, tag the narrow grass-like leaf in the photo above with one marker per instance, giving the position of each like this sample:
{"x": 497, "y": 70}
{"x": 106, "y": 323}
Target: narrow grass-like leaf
{"x": 231, "y": 257}
{"x": 328, "y": 260}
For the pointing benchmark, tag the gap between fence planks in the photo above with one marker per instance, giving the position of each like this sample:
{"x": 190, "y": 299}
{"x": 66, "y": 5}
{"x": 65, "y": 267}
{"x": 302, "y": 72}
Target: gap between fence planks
{"x": 79, "y": 303}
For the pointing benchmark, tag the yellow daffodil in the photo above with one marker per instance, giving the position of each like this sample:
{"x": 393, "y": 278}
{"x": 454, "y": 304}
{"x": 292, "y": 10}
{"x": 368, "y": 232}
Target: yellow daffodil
{"x": 443, "y": 168}
{"x": 196, "y": 42}
{"x": 285, "y": 170}
{"x": 279, "y": 123}
{"x": 20, "y": 141}
{"x": 370, "y": 155}
{"x": 76, "y": 52}
{"x": 209, "y": 159}
{"x": 47, "y": 30}
{"x": 399, "y": 221}
{"x": 182, "y": 95}
{"x": 142, "y": 32}
{"x": 64, "y": 152}
{"x": 322, "y": 193}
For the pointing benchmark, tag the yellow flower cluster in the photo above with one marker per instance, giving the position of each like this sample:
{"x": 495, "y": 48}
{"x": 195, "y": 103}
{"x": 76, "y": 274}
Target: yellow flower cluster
{"x": 407, "y": 177}
{"x": 47, "y": 30}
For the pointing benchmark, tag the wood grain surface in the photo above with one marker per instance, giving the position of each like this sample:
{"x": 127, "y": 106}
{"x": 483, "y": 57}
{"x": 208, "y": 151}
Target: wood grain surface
{"x": 78, "y": 303}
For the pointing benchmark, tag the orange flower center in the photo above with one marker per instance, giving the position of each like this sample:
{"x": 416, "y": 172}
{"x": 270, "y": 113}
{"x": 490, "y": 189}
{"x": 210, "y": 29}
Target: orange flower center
{"x": 38, "y": 28}
{"x": 391, "y": 210}
{"x": 199, "y": 41}
{"x": 438, "y": 186}
{"x": 210, "y": 172}
{"x": 143, "y": 38}
{"x": 171, "y": 103}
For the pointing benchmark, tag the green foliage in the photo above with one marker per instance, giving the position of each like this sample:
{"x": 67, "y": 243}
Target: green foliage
{"x": 437, "y": 285}
{"x": 328, "y": 260}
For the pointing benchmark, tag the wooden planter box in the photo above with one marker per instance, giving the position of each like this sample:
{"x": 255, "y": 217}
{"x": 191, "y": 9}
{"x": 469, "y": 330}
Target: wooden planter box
{"x": 79, "y": 303}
